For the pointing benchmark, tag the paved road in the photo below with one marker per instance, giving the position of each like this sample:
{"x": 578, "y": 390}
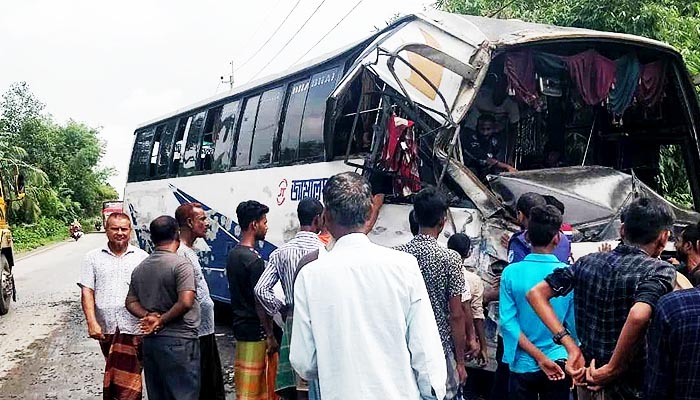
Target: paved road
{"x": 44, "y": 349}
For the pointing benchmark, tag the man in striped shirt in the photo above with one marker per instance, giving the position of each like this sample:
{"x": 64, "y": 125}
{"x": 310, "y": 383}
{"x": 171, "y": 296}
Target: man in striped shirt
{"x": 282, "y": 267}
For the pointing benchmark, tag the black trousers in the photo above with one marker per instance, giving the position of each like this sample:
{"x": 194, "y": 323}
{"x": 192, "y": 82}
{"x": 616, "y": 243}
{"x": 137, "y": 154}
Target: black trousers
{"x": 211, "y": 378}
{"x": 171, "y": 366}
{"x": 499, "y": 391}
{"x": 536, "y": 386}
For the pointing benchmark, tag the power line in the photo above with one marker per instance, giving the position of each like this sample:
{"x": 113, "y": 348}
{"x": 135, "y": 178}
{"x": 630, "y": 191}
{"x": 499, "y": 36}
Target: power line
{"x": 289, "y": 41}
{"x": 330, "y": 31}
{"x": 270, "y": 37}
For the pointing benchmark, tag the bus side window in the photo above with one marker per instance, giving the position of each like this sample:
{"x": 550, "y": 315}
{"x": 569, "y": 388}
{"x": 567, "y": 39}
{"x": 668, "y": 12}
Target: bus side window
{"x": 321, "y": 86}
{"x": 166, "y": 149}
{"x": 206, "y": 150}
{"x": 188, "y": 164}
{"x": 245, "y": 133}
{"x": 266, "y": 127}
{"x": 155, "y": 149}
{"x": 289, "y": 140}
{"x": 183, "y": 126}
{"x": 140, "y": 156}
{"x": 223, "y": 150}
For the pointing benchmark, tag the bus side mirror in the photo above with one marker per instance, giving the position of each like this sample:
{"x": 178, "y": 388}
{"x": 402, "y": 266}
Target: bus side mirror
{"x": 19, "y": 186}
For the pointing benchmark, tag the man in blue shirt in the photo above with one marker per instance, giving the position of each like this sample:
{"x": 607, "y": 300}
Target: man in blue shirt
{"x": 536, "y": 362}
{"x": 519, "y": 246}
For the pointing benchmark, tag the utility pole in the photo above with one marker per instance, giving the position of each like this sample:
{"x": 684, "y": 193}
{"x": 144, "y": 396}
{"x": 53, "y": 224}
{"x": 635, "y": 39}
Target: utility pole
{"x": 230, "y": 77}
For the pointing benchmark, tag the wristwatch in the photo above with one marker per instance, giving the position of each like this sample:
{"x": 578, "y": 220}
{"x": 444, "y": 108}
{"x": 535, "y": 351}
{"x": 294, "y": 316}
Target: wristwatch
{"x": 560, "y": 335}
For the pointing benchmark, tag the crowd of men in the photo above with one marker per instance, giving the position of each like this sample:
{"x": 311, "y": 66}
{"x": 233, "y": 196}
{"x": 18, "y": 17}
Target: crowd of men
{"x": 363, "y": 321}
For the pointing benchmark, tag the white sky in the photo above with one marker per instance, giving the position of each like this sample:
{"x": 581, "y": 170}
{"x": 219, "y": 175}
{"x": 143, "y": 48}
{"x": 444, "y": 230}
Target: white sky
{"x": 116, "y": 64}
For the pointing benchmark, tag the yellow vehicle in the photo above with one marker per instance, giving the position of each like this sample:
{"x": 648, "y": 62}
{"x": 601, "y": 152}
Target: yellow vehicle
{"x": 7, "y": 282}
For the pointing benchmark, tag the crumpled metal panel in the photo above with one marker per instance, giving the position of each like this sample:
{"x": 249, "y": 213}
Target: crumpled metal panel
{"x": 592, "y": 195}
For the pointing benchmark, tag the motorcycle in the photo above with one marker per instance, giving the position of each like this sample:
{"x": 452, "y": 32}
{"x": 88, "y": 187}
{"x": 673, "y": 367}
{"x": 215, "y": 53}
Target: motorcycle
{"x": 76, "y": 232}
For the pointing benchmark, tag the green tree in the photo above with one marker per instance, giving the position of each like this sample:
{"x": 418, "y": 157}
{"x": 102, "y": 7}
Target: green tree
{"x": 73, "y": 184}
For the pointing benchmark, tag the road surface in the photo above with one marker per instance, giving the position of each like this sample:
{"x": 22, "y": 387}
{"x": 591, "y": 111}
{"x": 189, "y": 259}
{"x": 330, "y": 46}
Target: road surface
{"x": 44, "y": 349}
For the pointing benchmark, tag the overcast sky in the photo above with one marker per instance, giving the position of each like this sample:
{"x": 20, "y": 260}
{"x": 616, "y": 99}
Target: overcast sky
{"x": 116, "y": 64}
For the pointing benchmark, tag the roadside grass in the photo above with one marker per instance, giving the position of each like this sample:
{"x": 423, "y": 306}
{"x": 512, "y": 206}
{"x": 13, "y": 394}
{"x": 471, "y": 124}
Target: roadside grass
{"x": 46, "y": 231}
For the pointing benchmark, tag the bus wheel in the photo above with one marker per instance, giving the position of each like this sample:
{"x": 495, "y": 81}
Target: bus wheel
{"x": 5, "y": 285}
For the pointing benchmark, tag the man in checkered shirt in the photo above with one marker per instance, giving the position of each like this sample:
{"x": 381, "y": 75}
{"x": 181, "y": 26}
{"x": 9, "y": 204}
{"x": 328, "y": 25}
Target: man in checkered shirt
{"x": 614, "y": 297}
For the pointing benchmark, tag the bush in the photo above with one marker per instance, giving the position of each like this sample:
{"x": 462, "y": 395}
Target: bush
{"x": 47, "y": 230}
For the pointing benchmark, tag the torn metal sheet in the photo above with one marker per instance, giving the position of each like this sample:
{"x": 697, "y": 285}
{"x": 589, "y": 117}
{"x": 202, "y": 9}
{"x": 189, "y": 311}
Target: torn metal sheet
{"x": 593, "y": 196}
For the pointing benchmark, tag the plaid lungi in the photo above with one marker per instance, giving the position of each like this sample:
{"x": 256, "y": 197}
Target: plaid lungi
{"x": 286, "y": 379}
{"x": 254, "y": 371}
{"x": 122, "y": 379}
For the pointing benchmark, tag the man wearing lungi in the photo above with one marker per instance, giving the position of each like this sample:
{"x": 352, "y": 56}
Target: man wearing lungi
{"x": 104, "y": 283}
{"x": 282, "y": 267}
{"x": 194, "y": 224}
{"x": 255, "y": 364}
{"x": 162, "y": 294}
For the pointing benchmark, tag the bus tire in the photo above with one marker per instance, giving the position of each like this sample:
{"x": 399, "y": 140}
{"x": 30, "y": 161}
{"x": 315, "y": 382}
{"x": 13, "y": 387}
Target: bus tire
{"x": 6, "y": 286}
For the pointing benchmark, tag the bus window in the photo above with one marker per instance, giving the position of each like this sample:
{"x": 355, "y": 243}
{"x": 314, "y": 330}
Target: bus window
{"x": 245, "y": 133}
{"x": 289, "y": 141}
{"x": 138, "y": 171}
{"x": 321, "y": 86}
{"x": 192, "y": 144}
{"x": 224, "y": 138}
{"x": 206, "y": 152}
{"x": 155, "y": 149}
{"x": 183, "y": 126}
{"x": 266, "y": 127}
{"x": 166, "y": 149}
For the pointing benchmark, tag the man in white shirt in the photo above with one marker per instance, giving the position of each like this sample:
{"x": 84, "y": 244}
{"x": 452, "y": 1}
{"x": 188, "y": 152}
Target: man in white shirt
{"x": 363, "y": 323}
{"x": 104, "y": 283}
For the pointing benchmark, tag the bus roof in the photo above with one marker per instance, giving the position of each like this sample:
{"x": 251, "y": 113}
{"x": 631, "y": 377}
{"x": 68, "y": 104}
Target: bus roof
{"x": 498, "y": 33}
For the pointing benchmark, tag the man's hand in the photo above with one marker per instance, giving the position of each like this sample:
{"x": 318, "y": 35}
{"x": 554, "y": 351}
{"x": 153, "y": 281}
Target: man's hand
{"x": 150, "y": 323}
{"x": 605, "y": 248}
{"x": 473, "y": 348}
{"x": 95, "y": 331}
{"x": 510, "y": 169}
{"x": 597, "y": 377}
{"x": 482, "y": 357}
{"x": 505, "y": 240}
{"x": 461, "y": 373}
{"x": 272, "y": 346}
{"x": 576, "y": 365}
{"x": 551, "y": 369}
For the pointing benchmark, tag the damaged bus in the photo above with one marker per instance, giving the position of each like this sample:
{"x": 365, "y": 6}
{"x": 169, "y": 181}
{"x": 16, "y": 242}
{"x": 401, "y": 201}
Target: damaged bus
{"x": 581, "y": 115}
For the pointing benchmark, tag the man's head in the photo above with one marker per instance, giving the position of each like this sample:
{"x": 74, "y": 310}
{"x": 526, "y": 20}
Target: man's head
{"x": 164, "y": 231}
{"x": 309, "y": 212}
{"x": 647, "y": 223}
{"x": 527, "y": 202}
{"x": 413, "y": 223}
{"x": 553, "y": 201}
{"x": 191, "y": 217}
{"x": 431, "y": 208}
{"x": 348, "y": 200}
{"x": 486, "y": 125}
{"x": 688, "y": 243}
{"x": 252, "y": 217}
{"x": 118, "y": 229}
{"x": 543, "y": 228}
{"x": 460, "y": 243}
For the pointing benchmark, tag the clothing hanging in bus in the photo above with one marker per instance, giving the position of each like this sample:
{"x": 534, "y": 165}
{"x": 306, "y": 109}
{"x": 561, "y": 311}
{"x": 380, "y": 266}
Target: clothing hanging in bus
{"x": 592, "y": 74}
{"x": 400, "y": 155}
{"x": 626, "y": 81}
{"x": 652, "y": 83}
{"x": 596, "y": 77}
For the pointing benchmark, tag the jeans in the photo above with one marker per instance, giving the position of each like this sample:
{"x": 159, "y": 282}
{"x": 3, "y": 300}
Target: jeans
{"x": 172, "y": 367}
{"x": 536, "y": 385}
